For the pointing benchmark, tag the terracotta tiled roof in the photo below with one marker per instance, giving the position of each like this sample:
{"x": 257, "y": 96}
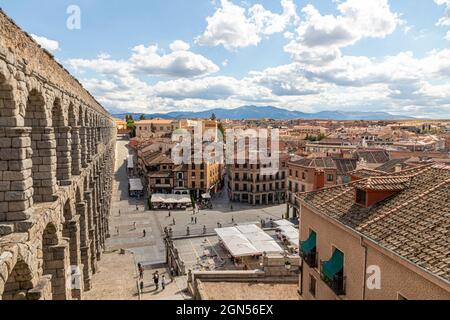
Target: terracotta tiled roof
{"x": 160, "y": 159}
{"x": 390, "y": 183}
{"x": 414, "y": 223}
{"x": 366, "y": 173}
{"x": 373, "y": 156}
{"x": 156, "y": 158}
{"x": 344, "y": 166}
{"x": 391, "y": 164}
{"x": 323, "y": 162}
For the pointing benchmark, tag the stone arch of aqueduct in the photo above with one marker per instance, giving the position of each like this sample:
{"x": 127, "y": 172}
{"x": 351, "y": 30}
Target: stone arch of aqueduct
{"x": 57, "y": 147}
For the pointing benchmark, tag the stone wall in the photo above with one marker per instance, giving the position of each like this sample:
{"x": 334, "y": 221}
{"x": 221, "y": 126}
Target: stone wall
{"x": 57, "y": 155}
{"x": 272, "y": 271}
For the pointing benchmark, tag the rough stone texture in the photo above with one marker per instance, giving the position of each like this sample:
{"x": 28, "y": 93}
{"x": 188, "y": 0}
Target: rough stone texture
{"x": 57, "y": 149}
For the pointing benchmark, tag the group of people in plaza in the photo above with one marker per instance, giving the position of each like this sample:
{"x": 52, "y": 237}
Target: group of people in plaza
{"x": 156, "y": 277}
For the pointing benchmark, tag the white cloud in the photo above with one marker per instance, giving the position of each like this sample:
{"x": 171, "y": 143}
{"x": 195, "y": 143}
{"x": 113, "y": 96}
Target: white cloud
{"x": 210, "y": 88}
{"x": 402, "y": 84}
{"x": 235, "y": 27}
{"x": 50, "y": 45}
{"x": 319, "y": 37}
{"x": 185, "y": 64}
{"x": 179, "y": 45}
{"x": 444, "y": 21}
{"x": 147, "y": 61}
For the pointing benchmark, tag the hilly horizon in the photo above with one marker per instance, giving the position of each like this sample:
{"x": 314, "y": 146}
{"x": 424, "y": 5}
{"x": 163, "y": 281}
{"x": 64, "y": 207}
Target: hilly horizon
{"x": 269, "y": 112}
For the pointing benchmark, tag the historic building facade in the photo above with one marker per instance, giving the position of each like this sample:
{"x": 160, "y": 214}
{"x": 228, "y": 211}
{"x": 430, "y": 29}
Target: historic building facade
{"x": 57, "y": 147}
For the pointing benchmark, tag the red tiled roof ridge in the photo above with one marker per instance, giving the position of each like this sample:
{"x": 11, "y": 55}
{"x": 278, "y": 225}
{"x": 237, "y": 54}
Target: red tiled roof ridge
{"x": 404, "y": 204}
{"x": 416, "y": 171}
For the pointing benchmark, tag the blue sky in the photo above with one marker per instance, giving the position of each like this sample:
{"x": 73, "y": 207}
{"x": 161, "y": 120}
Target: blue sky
{"x": 159, "y": 56}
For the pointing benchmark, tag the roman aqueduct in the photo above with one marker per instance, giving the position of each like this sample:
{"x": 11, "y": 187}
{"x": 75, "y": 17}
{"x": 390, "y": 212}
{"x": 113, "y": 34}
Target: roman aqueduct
{"x": 57, "y": 150}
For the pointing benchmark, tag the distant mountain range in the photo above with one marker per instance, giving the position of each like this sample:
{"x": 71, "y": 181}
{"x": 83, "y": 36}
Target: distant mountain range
{"x": 269, "y": 112}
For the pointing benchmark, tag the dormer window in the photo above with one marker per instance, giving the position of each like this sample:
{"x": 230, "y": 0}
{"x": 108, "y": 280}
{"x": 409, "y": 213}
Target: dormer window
{"x": 371, "y": 191}
{"x": 361, "y": 196}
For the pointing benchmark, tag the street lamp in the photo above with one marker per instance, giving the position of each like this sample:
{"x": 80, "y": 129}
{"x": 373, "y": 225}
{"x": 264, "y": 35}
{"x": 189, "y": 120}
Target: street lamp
{"x": 287, "y": 265}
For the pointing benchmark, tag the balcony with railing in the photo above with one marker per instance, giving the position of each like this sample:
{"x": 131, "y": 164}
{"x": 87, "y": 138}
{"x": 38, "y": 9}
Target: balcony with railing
{"x": 308, "y": 251}
{"x": 332, "y": 273}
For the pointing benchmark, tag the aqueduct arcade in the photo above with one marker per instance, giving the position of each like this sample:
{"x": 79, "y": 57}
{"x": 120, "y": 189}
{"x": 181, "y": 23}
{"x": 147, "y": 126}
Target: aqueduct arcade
{"x": 57, "y": 150}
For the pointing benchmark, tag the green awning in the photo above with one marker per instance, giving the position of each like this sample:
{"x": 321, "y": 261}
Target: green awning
{"x": 309, "y": 244}
{"x": 334, "y": 265}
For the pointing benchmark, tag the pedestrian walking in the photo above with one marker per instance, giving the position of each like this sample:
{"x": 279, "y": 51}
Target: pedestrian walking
{"x": 204, "y": 229}
{"x": 134, "y": 225}
{"x": 232, "y": 219}
{"x": 170, "y": 214}
{"x": 172, "y": 273}
{"x": 163, "y": 282}
{"x": 192, "y": 219}
{"x": 144, "y": 233}
{"x": 141, "y": 285}
{"x": 173, "y": 220}
{"x": 119, "y": 213}
{"x": 117, "y": 230}
{"x": 195, "y": 220}
{"x": 141, "y": 271}
{"x": 156, "y": 279}
{"x": 137, "y": 208}
{"x": 187, "y": 231}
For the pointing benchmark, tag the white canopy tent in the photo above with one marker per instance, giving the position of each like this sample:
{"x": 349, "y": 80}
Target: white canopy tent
{"x": 284, "y": 222}
{"x": 130, "y": 163}
{"x": 136, "y": 185}
{"x": 238, "y": 245}
{"x": 258, "y": 236}
{"x": 249, "y": 228}
{"x": 206, "y": 196}
{"x": 223, "y": 232}
{"x": 170, "y": 198}
{"x": 291, "y": 233}
{"x": 288, "y": 229}
{"x": 247, "y": 240}
{"x": 268, "y": 246}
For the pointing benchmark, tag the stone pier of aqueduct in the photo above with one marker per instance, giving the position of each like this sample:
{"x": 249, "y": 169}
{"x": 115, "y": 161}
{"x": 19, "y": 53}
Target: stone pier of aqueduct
{"x": 57, "y": 149}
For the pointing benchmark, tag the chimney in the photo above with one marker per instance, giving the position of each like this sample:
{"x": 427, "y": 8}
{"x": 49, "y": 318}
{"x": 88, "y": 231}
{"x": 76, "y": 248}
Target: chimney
{"x": 398, "y": 167}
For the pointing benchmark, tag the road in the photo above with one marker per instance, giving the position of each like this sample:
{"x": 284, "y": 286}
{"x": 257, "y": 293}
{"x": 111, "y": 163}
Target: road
{"x": 147, "y": 250}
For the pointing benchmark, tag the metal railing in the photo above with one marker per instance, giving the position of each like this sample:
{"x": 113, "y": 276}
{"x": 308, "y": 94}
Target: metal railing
{"x": 337, "y": 284}
{"x": 310, "y": 258}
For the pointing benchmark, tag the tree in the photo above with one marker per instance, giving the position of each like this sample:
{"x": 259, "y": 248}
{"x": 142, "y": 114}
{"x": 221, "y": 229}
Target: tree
{"x": 131, "y": 126}
{"x": 221, "y": 129}
{"x": 213, "y": 116}
{"x": 142, "y": 117}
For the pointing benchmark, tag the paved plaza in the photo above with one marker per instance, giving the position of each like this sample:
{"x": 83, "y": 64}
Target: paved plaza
{"x": 129, "y": 218}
